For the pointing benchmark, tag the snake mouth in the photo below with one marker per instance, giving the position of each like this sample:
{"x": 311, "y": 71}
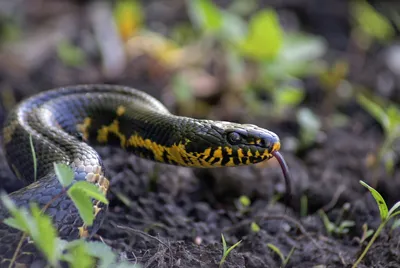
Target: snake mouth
{"x": 286, "y": 174}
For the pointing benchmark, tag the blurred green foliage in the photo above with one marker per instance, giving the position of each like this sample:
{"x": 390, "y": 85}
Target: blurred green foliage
{"x": 70, "y": 55}
{"x": 273, "y": 57}
{"x": 370, "y": 24}
{"x": 388, "y": 116}
{"x": 128, "y": 16}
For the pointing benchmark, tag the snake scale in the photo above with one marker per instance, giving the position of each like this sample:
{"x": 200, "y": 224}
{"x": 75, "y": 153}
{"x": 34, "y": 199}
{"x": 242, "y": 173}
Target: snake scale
{"x": 63, "y": 122}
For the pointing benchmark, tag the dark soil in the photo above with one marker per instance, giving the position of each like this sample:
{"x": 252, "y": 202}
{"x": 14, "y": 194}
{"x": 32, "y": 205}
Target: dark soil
{"x": 168, "y": 216}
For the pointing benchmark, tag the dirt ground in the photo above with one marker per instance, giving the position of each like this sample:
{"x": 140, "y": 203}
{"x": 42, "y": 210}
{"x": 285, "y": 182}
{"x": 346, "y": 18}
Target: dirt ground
{"x": 168, "y": 216}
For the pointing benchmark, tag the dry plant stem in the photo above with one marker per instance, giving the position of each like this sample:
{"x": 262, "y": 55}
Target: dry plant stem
{"x": 23, "y": 236}
{"x": 148, "y": 236}
{"x": 334, "y": 199}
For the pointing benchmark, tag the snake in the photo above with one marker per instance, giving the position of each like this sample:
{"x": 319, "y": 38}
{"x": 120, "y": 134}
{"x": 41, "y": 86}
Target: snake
{"x": 61, "y": 126}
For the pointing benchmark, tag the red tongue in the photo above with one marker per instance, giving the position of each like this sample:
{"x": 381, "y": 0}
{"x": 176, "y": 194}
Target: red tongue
{"x": 286, "y": 174}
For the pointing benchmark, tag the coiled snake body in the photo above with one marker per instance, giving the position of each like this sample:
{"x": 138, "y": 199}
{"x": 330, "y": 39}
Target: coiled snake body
{"x": 62, "y": 122}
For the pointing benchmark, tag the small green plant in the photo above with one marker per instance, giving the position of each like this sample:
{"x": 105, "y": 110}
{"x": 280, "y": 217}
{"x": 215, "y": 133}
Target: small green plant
{"x": 226, "y": 250}
{"x": 396, "y": 224}
{"x": 365, "y": 234}
{"x": 255, "y": 228}
{"x": 243, "y": 204}
{"x": 284, "y": 260}
{"x": 310, "y": 125}
{"x": 38, "y": 226}
{"x": 335, "y": 228}
{"x": 385, "y": 214}
{"x": 388, "y": 116}
{"x": 70, "y": 54}
{"x": 370, "y": 25}
{"x": 303, "y": 205}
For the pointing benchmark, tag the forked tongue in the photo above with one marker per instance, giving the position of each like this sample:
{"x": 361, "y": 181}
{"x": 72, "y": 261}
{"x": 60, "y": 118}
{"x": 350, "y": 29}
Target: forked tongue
{"x": 286, "y": 174}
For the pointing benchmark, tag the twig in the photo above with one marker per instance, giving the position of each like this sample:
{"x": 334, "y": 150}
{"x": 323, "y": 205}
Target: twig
{"x": 334, "y": 199}
{"x": 146, "y": 235}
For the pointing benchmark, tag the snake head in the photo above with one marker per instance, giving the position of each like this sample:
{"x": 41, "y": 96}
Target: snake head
{"x": 220, "y": 143}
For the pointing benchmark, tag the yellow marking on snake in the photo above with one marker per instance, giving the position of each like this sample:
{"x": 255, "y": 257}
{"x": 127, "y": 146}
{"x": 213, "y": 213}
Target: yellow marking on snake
{"x": 176, "y": 153}
{"x": 228, "y": 150}
{"x": 8, "y": 131}
{"x": 121, "y": 110}
{"x": 84, "y": 128}
{"x": 218, "y": 152}
{"x": 83, "y": 231}
{"x": 104, "y": 131}
{"x": 240, "y": 153}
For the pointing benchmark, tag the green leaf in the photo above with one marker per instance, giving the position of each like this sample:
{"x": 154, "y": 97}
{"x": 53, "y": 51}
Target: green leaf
{"x": 394, "y": 208}
{"x": 182, "y": 89}
{"x": 233, "y": 28}
{"x": 255, "y": 227}
{"x": 78, "y": 255}
{"x": 205, "y": 15}
{"x": 393, "y": 113}
{"x": 395, "y": 224}
{"x": 224, "y": 246}
{"x": 383, "y": 209}
{"x": 346, "y": 224}
{"x": 288, "y": 96}
{"x": 70, "y": 54}
{"x": 20, "y": 219}
{"x": 244, "y": 200}
{"x": 90, "y": 190}
{"x": 34, "y": 159}
{"x": 310, "y": 125}
{"x": 277, "y": 251}
{"x": 226, "y": 250}
{"x": 265, "y": 36}
{"x": 103, "y": 252}
{"x": 46, "y": 235}
{"x": 243, "y": 8}
{"x": 84, "y": 205}
{"x": 65, "y": 174}
{"x": 370, "y": 21}
{"x": 395, "y": 214}
{"x": 329, "y": 226}
{"x": 375, "y": 111}
{"x": 286, "y": 261}
{"x": 301, "y": 48}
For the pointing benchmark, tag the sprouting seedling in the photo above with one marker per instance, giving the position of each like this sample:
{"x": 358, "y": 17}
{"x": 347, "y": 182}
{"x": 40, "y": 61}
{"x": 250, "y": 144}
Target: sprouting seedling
{"x": 303, "y": 206}
{"x": 284, "y": 260}
{"x": 389, "y": 119}
{"x": 365, "y": 234}
{"x": 385, "y": 214}
{"x": 226, "y": 250}
{"x": 243, "y": 204}
{"x": 337, "y": 228}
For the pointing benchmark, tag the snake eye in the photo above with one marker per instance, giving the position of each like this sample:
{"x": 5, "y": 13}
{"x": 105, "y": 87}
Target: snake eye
{"x": 234, "y": 138}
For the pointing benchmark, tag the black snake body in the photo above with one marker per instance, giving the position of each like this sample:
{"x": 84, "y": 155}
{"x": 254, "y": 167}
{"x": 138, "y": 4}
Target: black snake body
{"x": 62, "y": 122}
